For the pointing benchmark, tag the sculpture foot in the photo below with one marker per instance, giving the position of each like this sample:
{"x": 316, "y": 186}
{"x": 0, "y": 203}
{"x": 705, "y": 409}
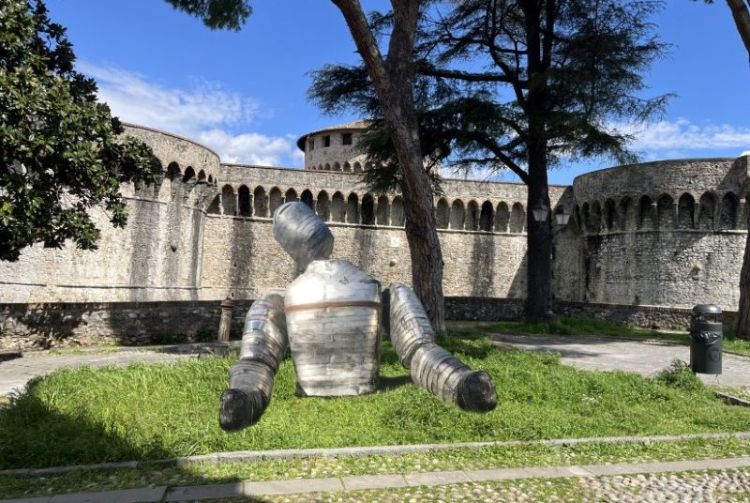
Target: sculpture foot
{"x": 240, "y": 409}
{"x": 477, "y": 393}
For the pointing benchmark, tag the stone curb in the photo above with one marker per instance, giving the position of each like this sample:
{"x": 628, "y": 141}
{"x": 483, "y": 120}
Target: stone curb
{"x": 244, "y": 456}
{"x": 387, "y": 481}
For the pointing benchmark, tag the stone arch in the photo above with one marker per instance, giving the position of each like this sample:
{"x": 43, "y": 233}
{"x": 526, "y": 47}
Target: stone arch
{"x": 328, "y": 167}
{"x": 260, "y": 202}
{"x": 610, "y": 214}
{"x": 189, "y": 174}
{"x": 320, "y": 167}
{"x": 369, "y": 166}
{"x": 347, "y": 167}
{"x": 485, "y": 217}
{"x": 728, "y": 211}
{"x": 443, "y": 214}
{"x": 706, "y": 210}
{"x": 384, "y": 211}
{"x": 646, "y": 213}
{"x": 586, "y": 215}
{"x": 245, "y": 201}
{"x": 686, "y": 211}
{"x": 502, "y": 218}
{"x": 210, "y": 179}
{"x": 338, "y": 207}
{"x": 626, "y": 213}
{"x": 665, "y": 212}
{"x": 517, "y": 221}
{"x": 352, "y": 209}
{"x": 228, "y": 201}
{"x": 457, "y": 215}
{"x": 275, "y": 200}
{"x": 291, "y": 196}
{"x": 368, "y": 210}
{"x": 397, "y": 212}
{"x": 323, "y": 206}
{"x": 336, "y": 166}
{"x": 307, "y": 198}
{"x": 595, "y": 222}
{"x": 215, "y": 206}
{"x": 357, "y": 168}
{"x": 201, "y": 176}
{"x": 173, "y": 170}
{"x": 472, "y": 216}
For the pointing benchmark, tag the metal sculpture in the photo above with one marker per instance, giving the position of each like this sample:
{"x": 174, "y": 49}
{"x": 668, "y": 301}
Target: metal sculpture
{"x": 331, "y": 317}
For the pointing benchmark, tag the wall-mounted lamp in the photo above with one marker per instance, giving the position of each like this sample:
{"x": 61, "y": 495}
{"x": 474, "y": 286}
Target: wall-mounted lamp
{"x": 562, "y": 218}
{"x": 540, "y": 214}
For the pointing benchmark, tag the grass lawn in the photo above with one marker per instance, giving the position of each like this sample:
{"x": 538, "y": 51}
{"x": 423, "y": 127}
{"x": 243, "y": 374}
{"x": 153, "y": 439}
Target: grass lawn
{"x": 157, "y": 411}
{"x": 592, "y": 327}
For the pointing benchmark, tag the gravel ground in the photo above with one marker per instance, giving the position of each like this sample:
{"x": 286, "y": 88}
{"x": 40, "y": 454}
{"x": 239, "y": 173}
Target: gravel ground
{"x": 716, "y": 486}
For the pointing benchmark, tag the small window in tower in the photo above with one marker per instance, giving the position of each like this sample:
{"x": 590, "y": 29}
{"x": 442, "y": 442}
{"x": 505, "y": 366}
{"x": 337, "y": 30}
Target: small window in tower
{"x": 346, "y": 138}
{"x": 311, "y": 143}
{"x": 326, "y": 141}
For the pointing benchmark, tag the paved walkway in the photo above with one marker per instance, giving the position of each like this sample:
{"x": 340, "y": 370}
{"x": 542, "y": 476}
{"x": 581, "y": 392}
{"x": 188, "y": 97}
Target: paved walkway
{"x": 598, "y": 475}
{"x": 644, "y": 357}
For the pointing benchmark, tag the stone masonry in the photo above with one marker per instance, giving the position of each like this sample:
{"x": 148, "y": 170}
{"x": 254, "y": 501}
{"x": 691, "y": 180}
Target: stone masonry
{"x": 668, "y": 234}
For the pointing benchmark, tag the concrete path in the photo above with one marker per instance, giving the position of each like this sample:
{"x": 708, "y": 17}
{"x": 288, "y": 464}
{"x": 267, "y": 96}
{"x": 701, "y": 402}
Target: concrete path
{"x": 644, "y": 357}
{"x": 387, "y": 481}
{"x": 16, "y": 372}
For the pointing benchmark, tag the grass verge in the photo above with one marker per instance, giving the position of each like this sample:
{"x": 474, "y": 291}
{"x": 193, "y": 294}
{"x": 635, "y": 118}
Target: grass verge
{"x": 322, "y": 467}
{"x": 160, "y": 411}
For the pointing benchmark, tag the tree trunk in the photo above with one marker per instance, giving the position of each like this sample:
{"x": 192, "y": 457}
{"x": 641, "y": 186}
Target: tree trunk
{"x": 741, "y": 15}
{"x": 539, "y": 254}
{"x": 743, "y": 312}
{"x": 539, "y": 234}
{"x": 392, "y": 80}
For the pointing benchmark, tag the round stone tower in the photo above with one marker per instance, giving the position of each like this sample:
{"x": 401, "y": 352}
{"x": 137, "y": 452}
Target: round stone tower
{"x": 334, "y": 148}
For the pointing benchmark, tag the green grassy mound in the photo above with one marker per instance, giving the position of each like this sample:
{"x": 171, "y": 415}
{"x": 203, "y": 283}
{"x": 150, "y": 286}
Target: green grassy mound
{"x": 158, "y": 411}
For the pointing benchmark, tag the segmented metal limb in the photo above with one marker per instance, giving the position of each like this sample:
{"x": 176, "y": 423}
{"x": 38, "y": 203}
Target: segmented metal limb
{"x": 264, "y": 343}
{"x": 431, "y": 366}
{"x": 302, "y": 233}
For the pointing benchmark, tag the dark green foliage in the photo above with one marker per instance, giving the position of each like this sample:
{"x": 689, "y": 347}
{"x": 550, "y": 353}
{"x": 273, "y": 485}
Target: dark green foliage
{"x": 472, "y": 93}
{"x": 60, "y": 150}
{"x": 216, "y": 14}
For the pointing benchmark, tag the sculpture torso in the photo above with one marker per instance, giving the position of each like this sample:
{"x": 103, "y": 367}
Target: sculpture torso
{"x": 332, "y": 315}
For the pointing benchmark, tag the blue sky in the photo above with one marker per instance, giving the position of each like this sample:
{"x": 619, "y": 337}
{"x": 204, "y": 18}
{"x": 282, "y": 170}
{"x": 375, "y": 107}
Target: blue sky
{"x": 244, "y": 94}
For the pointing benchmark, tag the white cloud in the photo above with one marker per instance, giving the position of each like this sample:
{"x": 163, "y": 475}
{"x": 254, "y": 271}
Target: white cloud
{"x": 682, "y": 137}
{"x": 203, "y": 112}
{"x": 249, "y": 148}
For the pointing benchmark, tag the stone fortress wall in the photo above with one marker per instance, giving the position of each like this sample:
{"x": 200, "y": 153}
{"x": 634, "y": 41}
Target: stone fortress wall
{"x": 668, "y": 234}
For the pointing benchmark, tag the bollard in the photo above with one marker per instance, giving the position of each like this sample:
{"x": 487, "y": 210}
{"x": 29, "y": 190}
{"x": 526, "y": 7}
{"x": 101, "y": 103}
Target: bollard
{"x": 225, "y": 324}
{"x": 706, "y": 339}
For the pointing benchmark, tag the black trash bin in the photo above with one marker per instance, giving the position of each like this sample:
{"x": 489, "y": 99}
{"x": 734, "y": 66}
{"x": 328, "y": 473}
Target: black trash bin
{"x": 705, "y": 339}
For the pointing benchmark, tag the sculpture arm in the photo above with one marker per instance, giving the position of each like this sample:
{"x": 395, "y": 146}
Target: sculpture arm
{"x": 432, "y": 367}
{"x": 264, "y": 343}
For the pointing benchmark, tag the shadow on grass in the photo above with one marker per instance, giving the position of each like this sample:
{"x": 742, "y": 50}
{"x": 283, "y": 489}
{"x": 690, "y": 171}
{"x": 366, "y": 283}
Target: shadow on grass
{"x": 386, "y": 383}
{"x": 61, "y": 437}
{"x": 69, "y": 440}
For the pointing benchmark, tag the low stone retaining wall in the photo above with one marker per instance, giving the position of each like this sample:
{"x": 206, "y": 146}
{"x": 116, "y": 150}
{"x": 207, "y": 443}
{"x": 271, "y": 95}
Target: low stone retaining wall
{"x": 41, "y": 326}
{"x": 659, "y": 317}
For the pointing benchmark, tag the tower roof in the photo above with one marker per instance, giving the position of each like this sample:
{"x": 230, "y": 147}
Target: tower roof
{"x": 346, "y": 126}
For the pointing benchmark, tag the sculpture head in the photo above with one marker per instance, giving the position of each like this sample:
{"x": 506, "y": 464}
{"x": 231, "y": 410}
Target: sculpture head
{"x": 302, "y": 234}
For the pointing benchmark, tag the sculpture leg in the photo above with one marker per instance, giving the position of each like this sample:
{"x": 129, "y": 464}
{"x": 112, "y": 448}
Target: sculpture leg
{"x": 264, "y": 343}
{"x": 431, "y": 366}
